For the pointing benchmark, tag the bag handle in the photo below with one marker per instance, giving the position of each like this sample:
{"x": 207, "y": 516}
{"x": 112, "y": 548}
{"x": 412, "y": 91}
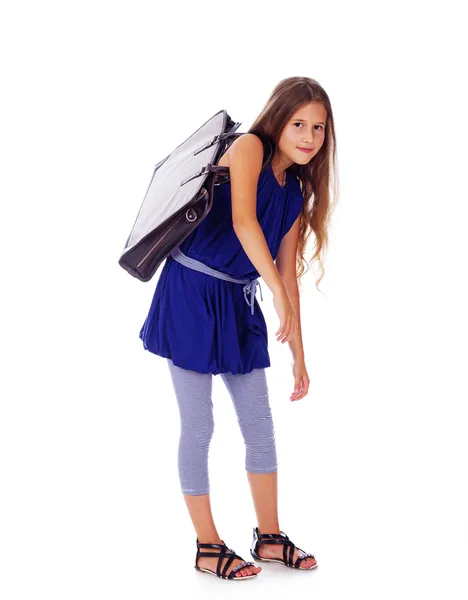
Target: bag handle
{"x": 208, "y": 168}
{"x": 221, "y": 137}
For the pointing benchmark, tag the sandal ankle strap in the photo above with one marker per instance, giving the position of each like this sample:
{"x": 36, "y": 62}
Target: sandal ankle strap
{"x": 219, "y": 546}
{"x": 271, "y": 536}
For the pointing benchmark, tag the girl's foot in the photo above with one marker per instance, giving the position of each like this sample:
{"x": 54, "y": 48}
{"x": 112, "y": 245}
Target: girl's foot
{"x": 276, "y": 551}
{"x": 211, "y": 563}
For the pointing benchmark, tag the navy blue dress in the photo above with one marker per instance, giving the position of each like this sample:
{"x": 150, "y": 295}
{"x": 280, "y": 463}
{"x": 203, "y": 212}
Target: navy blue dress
{"x": 201, "y": 322}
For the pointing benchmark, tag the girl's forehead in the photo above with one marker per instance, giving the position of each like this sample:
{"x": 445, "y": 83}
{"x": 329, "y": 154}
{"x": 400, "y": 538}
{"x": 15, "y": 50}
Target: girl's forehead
{"x": 310, "y": 111}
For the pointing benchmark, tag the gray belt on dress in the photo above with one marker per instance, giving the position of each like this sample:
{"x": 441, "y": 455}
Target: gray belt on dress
{"x": 250, "y": 285}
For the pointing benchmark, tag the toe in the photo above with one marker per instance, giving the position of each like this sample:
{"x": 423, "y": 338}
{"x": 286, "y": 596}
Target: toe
{"x": 308, "y": 562}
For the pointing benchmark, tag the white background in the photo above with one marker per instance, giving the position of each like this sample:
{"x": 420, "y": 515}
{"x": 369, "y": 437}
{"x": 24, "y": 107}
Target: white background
{"x": 372, "y": 475}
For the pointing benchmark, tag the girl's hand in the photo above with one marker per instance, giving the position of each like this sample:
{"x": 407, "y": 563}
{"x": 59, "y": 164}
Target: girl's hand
{"x": 301, "y": 380}
{"x": 287, "y": 316}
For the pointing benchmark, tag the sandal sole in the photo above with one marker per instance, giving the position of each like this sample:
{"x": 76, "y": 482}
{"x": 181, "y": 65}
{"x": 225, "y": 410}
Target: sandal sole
{"x": 281, "y": 562}
{"x": 202, "y": 570}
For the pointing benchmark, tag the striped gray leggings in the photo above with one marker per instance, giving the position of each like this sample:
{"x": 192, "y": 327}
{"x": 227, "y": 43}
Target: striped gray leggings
{"x": 249, "y": 394}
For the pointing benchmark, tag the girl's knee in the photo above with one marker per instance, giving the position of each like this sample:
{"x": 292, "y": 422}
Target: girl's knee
{"x": 266, "y": 470}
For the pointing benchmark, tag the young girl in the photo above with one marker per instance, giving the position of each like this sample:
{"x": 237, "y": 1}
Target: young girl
{"x": 205, "y": 320}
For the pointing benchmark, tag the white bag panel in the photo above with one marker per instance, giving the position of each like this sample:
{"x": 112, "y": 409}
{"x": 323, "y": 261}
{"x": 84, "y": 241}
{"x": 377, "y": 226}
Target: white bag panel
{"x": 165, "y": 195}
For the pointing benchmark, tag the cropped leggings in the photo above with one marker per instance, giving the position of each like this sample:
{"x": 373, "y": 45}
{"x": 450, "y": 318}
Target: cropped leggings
{"x": 249, "y": 394}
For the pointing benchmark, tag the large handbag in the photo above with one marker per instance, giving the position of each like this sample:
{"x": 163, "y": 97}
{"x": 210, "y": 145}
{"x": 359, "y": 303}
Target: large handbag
{"x": 179, "y": 196}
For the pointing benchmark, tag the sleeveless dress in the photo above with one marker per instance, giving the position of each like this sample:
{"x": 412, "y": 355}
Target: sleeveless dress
{"x": 203, "y": 323}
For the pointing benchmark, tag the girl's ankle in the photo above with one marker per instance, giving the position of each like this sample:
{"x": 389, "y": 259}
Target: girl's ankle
{"x": 270, "y": 530}
{"x": 210, "y": 540}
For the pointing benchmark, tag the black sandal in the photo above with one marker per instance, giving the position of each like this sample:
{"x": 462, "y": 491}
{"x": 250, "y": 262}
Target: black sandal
{"x": 279, "y": 538}
{"x": 224, "y": 552}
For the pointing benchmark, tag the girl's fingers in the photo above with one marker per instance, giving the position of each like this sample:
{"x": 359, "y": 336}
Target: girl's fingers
{"x": 299, "y": 390}
{"x": 282, "y": 334}
{"x": 286, "y": 330}
{"x": 280, "y": 330}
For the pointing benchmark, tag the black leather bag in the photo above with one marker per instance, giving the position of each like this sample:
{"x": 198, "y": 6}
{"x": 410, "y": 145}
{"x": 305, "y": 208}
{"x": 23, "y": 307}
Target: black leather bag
{"x": 179, "y": 196}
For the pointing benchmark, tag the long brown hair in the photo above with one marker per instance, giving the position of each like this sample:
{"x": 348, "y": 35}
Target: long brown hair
{"x": 318, "y": 178}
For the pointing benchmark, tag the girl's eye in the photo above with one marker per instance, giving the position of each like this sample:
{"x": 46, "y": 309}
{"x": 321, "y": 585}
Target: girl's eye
{"x": 302, "y": 124}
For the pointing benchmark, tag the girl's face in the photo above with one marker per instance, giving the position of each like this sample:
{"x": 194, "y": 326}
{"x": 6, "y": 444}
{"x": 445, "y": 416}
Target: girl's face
{"x": 305, "y": 129}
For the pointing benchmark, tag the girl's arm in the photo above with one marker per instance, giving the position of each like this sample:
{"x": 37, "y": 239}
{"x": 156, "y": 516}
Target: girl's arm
{"x": 245, "y": 163}
{"x": 286, "y": 265}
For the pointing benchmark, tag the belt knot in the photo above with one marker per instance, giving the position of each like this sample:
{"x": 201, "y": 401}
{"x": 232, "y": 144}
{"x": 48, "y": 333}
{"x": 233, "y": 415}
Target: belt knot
{"x": 251, "y": 287}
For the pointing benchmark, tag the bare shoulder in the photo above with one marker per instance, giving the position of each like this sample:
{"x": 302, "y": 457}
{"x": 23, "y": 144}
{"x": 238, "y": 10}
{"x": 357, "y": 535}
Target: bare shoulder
{"x": 245, "y": 164}
{"x": 246, "y": 157}
{"x": 245, "y": 161}
{"x": 247, "y": 144}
